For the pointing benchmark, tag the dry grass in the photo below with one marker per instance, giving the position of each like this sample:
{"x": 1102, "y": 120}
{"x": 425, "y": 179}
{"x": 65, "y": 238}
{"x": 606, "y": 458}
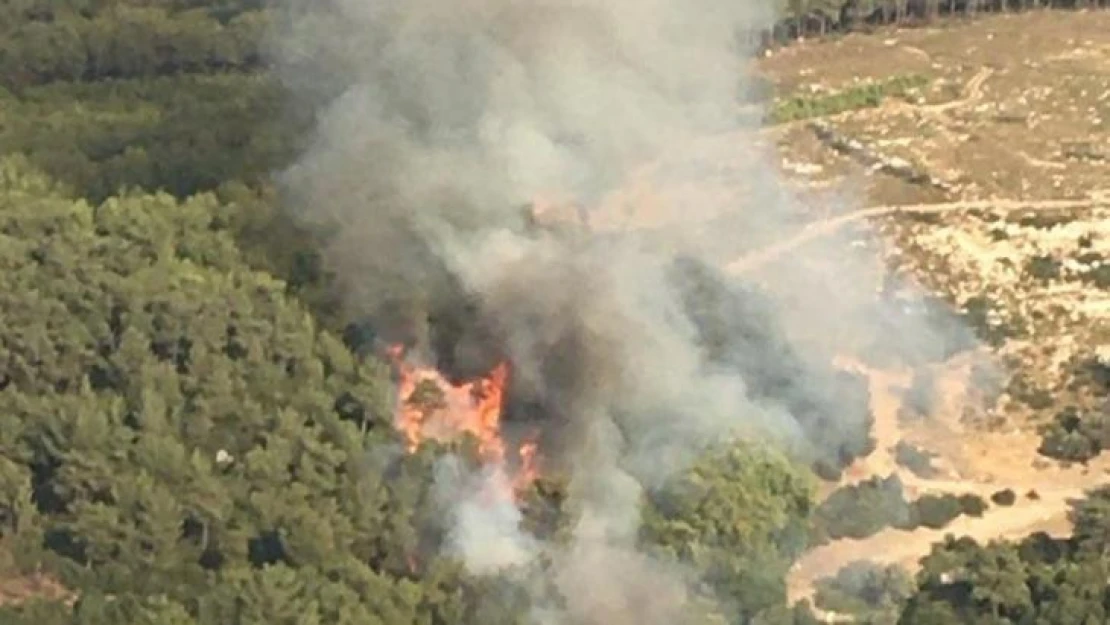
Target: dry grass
{"x": 1017, "y": 108}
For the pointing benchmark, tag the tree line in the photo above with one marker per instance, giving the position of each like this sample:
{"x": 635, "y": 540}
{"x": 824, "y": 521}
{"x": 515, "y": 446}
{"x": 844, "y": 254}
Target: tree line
{"x": 808, "y": 18}
{"x": 43, "y": 41}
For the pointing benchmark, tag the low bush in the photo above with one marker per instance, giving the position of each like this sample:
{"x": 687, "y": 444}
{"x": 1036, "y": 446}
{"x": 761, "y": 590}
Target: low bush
{"x": 972, "y": 505}
{"x": 1044, "y": 268}
{"x": 917, "y": 461}
{"x": 935, "y": 511}
{"x": 864, "y": 509}
{"x": 860, "y": 510}
{"x": 1075, "y": 436}
{"x": 1005, "y": 497}
{"x": 867, "y": 591}
{"x": 860, "y": 97}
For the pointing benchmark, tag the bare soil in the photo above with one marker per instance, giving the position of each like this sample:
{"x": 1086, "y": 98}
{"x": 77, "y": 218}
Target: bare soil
{"x": 1017, "y": 109}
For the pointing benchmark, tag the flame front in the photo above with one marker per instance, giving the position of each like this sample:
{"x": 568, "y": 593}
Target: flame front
{"x": 429, "y": 406}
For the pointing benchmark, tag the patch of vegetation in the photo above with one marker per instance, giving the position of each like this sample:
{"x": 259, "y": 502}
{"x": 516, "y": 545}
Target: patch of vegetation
{"x": 972, "y": 505}
{"x": 184, "y": 444}
{"x": 869, "y": 592}
{"x": 1075, "y": 435}
{"x": 1044, "y": 268}
{"x": 104, "y": 40}
{"x": 688, "y": 520}
{"x": 802, "y": 107}
{"x": 1098, "y": 276}
{"x": 978, "y": 313}
{"x": 929, "y": 218}
{"x": 1041, "y": 220}
{"x": 1022, "y": 389}
{"x": 1039, "y": 579}
{"x": 919, "y": 400}
{"x": 920, "y": 462}
{"x": 180, "y": 134}
{"x": 1094, "y": 373}
{"x": 1005, "y": 497}
{"x": 864, "y": 509}
{"x": 831, "y": 406}
{"x": 937, "y": 511}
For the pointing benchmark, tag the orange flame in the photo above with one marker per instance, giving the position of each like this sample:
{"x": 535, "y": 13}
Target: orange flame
{"x": 431, "y": 407}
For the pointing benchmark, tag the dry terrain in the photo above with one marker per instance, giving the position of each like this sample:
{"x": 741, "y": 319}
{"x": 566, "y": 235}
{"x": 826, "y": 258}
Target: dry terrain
{"x": 1008, "y": 145}
{"x": 989, "y": 183}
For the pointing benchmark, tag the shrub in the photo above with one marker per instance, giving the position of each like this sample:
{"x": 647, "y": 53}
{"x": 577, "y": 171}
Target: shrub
{"x": 859, "y": 97}
{"x": 860, "y": 510}
{"x": 1073, "y": 436}
{"x": 972, "y": 505}
{"x": 1022, "y": 389}
{"x": 1005, "y": 497}
{"x": 1099, "y": 276}
{"x": 919, "y": 400}
{"x": 1043, "y": 268}
{"x": 935, "y": 511}
{"x": 977, "y": 314}
{"x": 920, "y": 462}
{"x": 864, "y": 588}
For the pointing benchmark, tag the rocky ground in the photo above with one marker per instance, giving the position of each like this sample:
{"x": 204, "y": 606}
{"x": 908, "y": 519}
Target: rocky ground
{"x": 991, "y": 184}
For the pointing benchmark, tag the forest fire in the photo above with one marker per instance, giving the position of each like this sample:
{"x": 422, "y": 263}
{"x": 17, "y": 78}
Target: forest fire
{"x": 431, "y": 407}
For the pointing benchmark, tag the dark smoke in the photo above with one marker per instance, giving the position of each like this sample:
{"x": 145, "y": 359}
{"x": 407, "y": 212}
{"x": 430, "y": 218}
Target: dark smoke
{"x": 443, "y": 117}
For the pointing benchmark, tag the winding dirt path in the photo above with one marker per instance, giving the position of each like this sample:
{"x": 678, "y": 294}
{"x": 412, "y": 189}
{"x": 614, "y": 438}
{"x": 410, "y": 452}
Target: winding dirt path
{"x": 828, "y": 227}
{"x": 1056, "y": 488}
{"x": 973, "y": 93}
{"x": 906, "y": 548}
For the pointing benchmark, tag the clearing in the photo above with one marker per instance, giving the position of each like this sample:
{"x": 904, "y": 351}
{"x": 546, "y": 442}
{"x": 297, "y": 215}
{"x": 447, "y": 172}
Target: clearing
{"x": 992, "y": 185}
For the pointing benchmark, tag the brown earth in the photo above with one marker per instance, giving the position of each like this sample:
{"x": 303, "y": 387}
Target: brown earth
{"x": 1018, "y": 108}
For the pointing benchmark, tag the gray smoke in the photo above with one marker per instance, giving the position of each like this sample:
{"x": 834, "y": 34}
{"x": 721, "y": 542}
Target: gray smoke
{"x": 443, "y": 117}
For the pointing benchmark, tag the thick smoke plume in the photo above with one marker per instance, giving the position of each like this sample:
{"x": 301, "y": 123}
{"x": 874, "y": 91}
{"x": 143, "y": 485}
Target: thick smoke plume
{"x": 443, "y": 118}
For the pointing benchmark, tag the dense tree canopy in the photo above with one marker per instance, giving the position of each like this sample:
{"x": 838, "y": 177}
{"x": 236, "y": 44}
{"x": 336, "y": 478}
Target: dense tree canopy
{"x": 183, "y": 444}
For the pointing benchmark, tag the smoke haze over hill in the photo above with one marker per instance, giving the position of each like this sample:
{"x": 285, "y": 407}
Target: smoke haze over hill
{"x": 449, "y": 116}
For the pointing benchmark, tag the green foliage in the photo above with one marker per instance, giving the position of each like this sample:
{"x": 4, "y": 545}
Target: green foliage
{"x": 866, "y": 591}
{"x": 832, "y": 407}
{"x": 1099, "y": 276}
{"x": 920, "y": 462}
{"x": 1023, "y": 389}
{"x": 1042, "y": 220}
{"x": 127, "y": 41}
{"x": 183, "y": 444}
{"x": 935, "y": 511}
{"x": 1093, "y": 373}
{"x": 1044, "y": 268}
{"x": 860, "y": 510}
{"x": 864, "y": 96}
{"x": 1004, "y": 497}
{"x": 809, "y": 18}
{"x": 1091, "y": 520}
{"x": 137, "y": 351}
{"x": 739, "y": 519}
{"x": 978, "y": 312}
{"x": 1075, "y": 436}
{"x": 179, "y": 134}
{"x": 1039, "y": 580}
{"x": 863, "y": 509}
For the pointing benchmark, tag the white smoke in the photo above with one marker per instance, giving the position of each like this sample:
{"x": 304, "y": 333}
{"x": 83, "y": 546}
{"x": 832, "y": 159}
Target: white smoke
{"x": 447, "y": 115}
{"x": 485, "y": 521}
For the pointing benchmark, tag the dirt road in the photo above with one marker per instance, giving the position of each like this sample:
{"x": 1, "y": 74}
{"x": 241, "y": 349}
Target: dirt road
{"x": 1055, "y": 486}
